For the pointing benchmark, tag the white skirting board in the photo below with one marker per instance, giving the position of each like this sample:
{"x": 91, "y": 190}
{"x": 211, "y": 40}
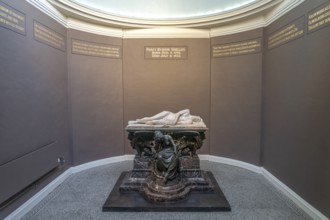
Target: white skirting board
{"x": 310, "y": 210}
{"x": 232, "y": 162}
{"x": 33, "y": 201}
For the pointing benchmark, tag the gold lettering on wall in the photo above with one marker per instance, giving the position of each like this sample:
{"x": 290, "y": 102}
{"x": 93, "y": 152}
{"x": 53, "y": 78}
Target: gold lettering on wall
{"x": 319, "y": 18}
{"x": 166, "y": 53}
{"x": 48, "y": 36}
{"x": 12, "y": 19}
{"x": 237, "y": 48}
{"x": 95, "y": 49}
{"x": 288, "y": 33}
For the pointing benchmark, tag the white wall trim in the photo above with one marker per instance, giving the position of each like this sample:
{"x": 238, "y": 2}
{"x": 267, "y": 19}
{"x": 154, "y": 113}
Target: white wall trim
{"x": 246, "y": 25}
{"x": 101, "y": 162}
{"x": 232, "y": 162}
{"x": 93, "y": 28}
{"x": 77, "y": 9}
{"x": 300, "y": 202}
{"x": 34, "y": 200}
{"x": 281, "y": 7}
{"x": 281, "y": 10}
{"x": 167, "y": 33}
{"x": 49, "y": 10}
{"x": 256, "y": 22}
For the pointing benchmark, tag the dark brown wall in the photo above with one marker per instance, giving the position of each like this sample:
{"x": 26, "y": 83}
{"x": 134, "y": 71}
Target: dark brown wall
{"x": 34, "y": 129}
{"x": 236, "y": 102}
{"x": 96, "y": 101}
{"x": 152, "y": 86}
{"x": 280, "y": 97}
{"x": 296, "y": 107}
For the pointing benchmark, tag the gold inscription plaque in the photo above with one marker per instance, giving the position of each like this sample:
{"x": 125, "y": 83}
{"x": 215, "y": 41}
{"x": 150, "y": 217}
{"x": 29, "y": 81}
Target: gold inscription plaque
{"x": 237, "y": 48}
{"x": 48, "y": 36}
{"x": 166, "y": 53}
{"x": 319, "y": 18}
{"x": 95, "y": 49}
{"x": 12, "y": 19}
{"x": 288, "y": 33}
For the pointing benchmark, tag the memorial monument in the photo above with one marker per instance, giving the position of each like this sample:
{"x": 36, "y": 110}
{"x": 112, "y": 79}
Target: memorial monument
{"x": 166, "y": 174}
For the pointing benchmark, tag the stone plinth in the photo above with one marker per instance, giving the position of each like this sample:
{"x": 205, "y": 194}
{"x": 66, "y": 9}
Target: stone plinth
{"x": 166, "y": 169}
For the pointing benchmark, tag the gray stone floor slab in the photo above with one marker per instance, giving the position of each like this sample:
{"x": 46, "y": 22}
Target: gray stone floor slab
{"x": 82, "y": 196}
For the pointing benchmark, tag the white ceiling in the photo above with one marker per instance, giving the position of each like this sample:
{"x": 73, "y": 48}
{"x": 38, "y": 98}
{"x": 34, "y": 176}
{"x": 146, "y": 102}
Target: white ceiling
{"x": 196, "y": 19}
{"x": 163, "y": 9}
{"x": 128, "y": 14}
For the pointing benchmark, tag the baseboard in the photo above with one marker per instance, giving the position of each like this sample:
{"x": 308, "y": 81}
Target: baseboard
{"x": 232, "y": 162}
{"x": 34, "y": 200}
{"x": 300, "y": 202}
{"x": 101, "y": 162}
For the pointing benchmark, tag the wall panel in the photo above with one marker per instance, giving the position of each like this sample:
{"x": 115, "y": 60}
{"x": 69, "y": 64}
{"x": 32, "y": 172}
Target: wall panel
{"x": 95, "y": 85}
{"x": 33, "y": 103}
{"x": 236, "y": 101}
{"x": 296, "y": 131}
{"x": 152, "y": 86}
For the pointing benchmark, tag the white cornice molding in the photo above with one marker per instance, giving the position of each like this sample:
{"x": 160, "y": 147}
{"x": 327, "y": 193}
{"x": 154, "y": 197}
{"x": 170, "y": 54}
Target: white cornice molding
{"x": 246, "y": 25}
{"x": 94, "y": 29}
{"x": 75, "y": 9}
{"x": 49, "y": 10}
{"x": 256, "y": 22}
{"x": 279, "y": 8}
{"x": 167, "y": 33}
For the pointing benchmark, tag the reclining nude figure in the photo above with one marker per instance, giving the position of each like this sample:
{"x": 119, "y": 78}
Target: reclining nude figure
{"x": 182, "y": 117}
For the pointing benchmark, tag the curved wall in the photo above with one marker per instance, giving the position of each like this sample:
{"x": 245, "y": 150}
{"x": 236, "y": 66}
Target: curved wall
{"x": 236, "y": 100}
{"x": 296, "y": 104}
{"x": 34, "y": 119}
{"x": 96, "y": 100}
{"x": 268, "y": 107}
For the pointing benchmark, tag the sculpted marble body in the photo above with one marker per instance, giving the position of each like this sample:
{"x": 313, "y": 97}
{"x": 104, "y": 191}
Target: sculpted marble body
{"x": 182, "y": 118}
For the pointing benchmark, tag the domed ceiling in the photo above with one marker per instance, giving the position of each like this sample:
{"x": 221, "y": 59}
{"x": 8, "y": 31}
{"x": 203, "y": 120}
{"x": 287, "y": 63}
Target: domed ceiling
{"x": 162, "y": 13}
{"x": 163, "y": 9}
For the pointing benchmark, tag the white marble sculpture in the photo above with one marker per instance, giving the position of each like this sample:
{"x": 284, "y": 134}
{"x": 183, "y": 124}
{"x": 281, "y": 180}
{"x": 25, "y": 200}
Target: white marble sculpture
{"x": 169, "y": 119}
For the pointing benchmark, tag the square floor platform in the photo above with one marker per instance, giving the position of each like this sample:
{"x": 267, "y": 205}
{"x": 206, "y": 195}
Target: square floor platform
{"x": 195, "y": 201}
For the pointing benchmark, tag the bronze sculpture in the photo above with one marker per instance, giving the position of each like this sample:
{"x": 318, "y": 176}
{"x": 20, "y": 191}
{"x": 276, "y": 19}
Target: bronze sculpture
{"x": 167, "y": 160}
{"x": 166, "y": 166}
{"x": 166, "y": 173}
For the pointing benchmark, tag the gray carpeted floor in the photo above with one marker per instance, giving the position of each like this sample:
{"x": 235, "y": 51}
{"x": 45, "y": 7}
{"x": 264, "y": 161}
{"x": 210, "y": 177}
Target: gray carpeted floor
{"x": 82, "y": 196}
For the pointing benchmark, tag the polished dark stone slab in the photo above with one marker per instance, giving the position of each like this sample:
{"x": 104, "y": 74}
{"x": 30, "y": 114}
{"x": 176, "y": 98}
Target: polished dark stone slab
{"x": 195, "y": 201}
